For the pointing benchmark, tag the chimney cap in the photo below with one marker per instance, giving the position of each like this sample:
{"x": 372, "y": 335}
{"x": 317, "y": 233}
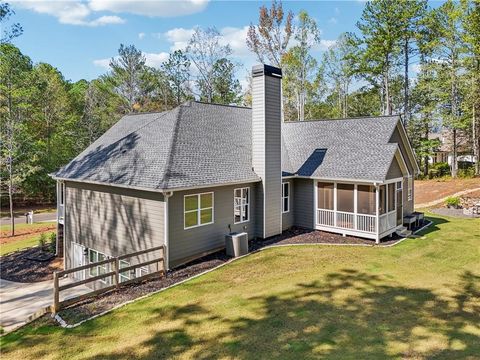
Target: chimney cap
{"x": 263, "y": 69}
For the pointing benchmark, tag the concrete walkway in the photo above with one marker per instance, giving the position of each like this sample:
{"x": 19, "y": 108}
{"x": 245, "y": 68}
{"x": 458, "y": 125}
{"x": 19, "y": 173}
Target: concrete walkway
{"x": 19, "y": 302}
{"x": 439, "y": 201}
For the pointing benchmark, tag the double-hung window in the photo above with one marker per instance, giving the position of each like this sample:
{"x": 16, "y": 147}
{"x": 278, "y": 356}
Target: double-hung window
{"x": 198, "y": 210}
{"x": 241, "y": 205}
{"x": 285, "y": 197}
{"x": 96, "y": 256}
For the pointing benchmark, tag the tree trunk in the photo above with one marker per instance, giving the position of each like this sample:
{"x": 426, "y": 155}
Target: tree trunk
{"x": 10, "y": 197}
{"x": 406, "y": 108}
{"x": 454, "y": 158}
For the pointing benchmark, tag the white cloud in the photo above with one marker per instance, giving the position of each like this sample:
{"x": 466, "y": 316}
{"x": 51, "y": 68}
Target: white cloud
{"x": 232, "y": 36}
{"x": 325, "y": 44}
{"x": 337, "y": 10}
{"x": 333, "y": 20}
{"x": 83, "y": 12}
{"x": 149, "y": 7}
{"x": 152, "y": 59}
{"x": 141, "y": 35}
{"x": 416, "y": 68}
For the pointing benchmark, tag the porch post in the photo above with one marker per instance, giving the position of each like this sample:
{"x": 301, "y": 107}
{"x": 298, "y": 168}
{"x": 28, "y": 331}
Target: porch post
{"x": 335, "y": 204}
{"x": 355, "y": 205}
{"x": 377, "y": 218}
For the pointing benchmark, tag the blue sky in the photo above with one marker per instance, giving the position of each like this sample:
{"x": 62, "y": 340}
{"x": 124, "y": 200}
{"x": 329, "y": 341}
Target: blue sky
{"x": 79, "y": 36}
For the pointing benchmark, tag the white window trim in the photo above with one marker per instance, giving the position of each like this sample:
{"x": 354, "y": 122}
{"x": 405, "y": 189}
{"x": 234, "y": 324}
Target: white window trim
{"x": 285, "y": 197}
{"x": 241, "y": 205}
{"x": 104, "y": 266}
{"x": 199, "y": 209}
{"x": 138, "y": 271}
{"x": 125, "y": 275}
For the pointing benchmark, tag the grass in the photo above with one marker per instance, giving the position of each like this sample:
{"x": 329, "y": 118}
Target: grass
{"x": 21, "y": 211}
{"x": 28, "y": 236}
{"x": 419, "y": 299}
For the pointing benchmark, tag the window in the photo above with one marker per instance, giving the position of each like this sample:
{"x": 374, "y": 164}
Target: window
{"x": 366, "y": 199}
{"x": 241, "y": 204}
{"x": 382, "y": 206}
{"x": 285, "y": 197}
{"x": 142, "y": 271}
{"x": 325, "y": 196}
{"x": 410, "y": 187}
{"x": 125, "y": 275}
{"x": 96, "y": 256}
{"x": 391, "y": 197}
{"x": 345, "y": 197}
{"x": 198, "y": 210}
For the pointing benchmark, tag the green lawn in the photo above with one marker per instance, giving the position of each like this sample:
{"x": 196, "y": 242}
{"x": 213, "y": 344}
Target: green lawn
{"x": 25, "y": 241}
{"x": 419, "y": 299}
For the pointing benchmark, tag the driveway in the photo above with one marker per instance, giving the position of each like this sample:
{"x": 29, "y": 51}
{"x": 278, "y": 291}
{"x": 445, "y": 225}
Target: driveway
{"x": 42, "y": 217}
{"x": 19, "y": 301}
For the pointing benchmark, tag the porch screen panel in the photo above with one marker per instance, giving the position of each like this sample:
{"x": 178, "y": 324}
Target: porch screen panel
{"x": 383, "y": 200}
{"x": 391, "y": 197}
{"x": 325, "y": 196}
{"x": 366, "y": 199}
{"x": 345, "y": 197}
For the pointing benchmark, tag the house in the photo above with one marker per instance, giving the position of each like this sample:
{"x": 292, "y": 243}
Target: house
{"x": 187, "y": 177}
{"x": 444, "y": 153}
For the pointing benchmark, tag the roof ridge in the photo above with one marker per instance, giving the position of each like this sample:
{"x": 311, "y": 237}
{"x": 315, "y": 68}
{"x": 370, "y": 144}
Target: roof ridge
{"x": 340, "y": 119}
{"x": 164, "y": 180}
{"x": 225, "y": 105}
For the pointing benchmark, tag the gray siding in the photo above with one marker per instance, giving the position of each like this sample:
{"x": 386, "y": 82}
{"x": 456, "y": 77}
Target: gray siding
{"x": 186, "y": 244}
{"x": 395, "y": 171}
{"x": 288, "y": 218}
{"x": 303, "y": 192}
{"x": 266, "y": 151}
{"x": 408, "y": 206}
{"x": 112, "y": 220}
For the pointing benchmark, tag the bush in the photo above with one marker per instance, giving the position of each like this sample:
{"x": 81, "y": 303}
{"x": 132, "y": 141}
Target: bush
{"x": 453, "y": 201}
{"x": 53, "y": 243}
{"x": 466, "y": 173}
{"x": 42, "y": 240}
{"x": 439, "y": 169}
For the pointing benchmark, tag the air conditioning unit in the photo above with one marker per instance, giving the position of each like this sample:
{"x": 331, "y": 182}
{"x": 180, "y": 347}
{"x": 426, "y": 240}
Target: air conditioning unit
{"x": 236, "y": 244}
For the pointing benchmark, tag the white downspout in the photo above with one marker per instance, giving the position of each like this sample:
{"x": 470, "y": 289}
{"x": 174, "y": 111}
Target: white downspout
{"x": 377, "y": 222}
{"x": 166, "y": 195}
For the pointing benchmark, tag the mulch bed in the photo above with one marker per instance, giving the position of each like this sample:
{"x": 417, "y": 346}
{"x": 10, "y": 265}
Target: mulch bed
{"x": 29, "y": 265}
{"x": 458, "y": 213}
{"x": 96, "y": 305}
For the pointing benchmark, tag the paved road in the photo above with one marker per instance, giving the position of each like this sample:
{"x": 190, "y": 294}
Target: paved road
{"x": 19, "y": 301}
{"x": 50, "y": 216}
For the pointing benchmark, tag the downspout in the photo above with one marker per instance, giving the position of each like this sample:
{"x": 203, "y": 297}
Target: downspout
{"x": 167, "y": 195}
{"x": 377, "y": 222}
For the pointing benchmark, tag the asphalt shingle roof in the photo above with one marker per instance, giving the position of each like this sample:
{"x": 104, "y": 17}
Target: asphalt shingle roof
{"x": 200, "y": 144}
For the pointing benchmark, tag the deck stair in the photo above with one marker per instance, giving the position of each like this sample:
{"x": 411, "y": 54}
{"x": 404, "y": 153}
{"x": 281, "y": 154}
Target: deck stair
{"x": 403, "y": 232}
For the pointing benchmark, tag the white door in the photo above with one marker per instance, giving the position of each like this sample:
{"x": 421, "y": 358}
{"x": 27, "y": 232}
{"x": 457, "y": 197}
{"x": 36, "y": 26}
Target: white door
{"x": 78, "y": 260}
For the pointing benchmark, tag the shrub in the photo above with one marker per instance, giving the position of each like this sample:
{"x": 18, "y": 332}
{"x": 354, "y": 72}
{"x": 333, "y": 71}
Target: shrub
{"x": 453, "y": 201}
{"x": 466, "y": 173}
{"x": 42, "y": 240}
{"x": 53, "y": 243}
{"x": 439, "y": 169}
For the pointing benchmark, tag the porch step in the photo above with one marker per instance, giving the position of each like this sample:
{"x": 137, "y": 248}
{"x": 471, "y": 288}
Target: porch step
{"x": 403, "y": 232}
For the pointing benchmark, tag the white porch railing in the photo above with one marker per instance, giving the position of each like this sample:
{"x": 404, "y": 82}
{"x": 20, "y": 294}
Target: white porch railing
{"x": 366, "y": 223}
{"x": 387, "y": 221}
{"x": 345, "y": 220}
{"x": 325, "y": 217}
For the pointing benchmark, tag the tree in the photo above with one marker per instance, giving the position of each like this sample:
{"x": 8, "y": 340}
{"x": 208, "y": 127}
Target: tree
{"x": 177, "y": 72}
{"x": 471, "y": 23}
{"x": 448, "y": 50}
{"x": 339, "y": 69}
{"x": 15, "y": 98}
{"x": 226, "y": 88}
{"x": 126, "y": 76}
{"x": 205, "y": 50}
{"x": 8, "y": 33}
{"x": 299, "y": 66}
{"x": 269, "y": 39}
{"x": 380, "y": 39}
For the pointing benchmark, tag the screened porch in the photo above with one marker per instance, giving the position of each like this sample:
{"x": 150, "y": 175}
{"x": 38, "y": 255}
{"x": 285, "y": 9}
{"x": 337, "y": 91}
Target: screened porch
{"x": 365, "y": 210}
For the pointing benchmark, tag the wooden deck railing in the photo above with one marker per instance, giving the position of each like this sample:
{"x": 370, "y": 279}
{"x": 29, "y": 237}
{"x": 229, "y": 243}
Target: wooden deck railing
{"x": 114, "y": 274}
